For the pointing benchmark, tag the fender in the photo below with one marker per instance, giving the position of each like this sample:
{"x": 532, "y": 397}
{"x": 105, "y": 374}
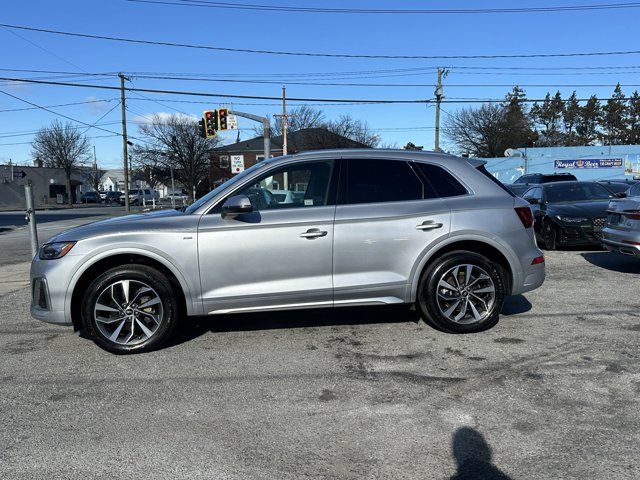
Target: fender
{"x": 469, "y": 235}
{"x": 193, "y": 307}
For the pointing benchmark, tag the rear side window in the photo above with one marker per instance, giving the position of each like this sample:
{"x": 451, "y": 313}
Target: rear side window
{"x": 486, "y": 173}
{"x": 442, "y": 181}
{"x": 634, "y": 191}
{"x": 376, "y": 181}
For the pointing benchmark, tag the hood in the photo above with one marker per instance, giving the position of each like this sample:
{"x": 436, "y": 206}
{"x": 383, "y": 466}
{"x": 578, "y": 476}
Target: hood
{"x": 139, "y": 222}
{"x": 588, "y": 209}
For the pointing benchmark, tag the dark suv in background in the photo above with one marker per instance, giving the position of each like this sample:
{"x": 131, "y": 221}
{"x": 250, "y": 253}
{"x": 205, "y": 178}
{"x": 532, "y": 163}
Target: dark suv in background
{"x": 523, "y": 183}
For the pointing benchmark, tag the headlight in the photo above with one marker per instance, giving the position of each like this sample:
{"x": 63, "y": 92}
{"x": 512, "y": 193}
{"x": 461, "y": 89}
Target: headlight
{"x": 51, "y": 251}
{"x": 571, "y": 219}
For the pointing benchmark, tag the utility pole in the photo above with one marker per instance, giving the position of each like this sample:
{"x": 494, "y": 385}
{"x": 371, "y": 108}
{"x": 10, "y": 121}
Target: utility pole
{"x": 284, "y": 120}
{"x": 95, "y": 169}
{"x": 125, "y": 156}
{"x": 438, "y": 93}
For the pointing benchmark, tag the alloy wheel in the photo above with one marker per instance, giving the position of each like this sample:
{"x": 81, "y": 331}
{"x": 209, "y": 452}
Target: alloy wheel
{"x": 128, "y": 312}
{"x": 466, "y": 294}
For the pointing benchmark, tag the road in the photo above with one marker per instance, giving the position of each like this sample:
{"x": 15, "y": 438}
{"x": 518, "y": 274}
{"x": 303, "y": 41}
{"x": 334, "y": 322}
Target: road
{"x": 552, "y": 391}
{"x": 15, "y": 243}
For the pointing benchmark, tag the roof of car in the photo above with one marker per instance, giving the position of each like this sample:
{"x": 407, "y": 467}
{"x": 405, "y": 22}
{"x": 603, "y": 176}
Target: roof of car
{"x": 387, "y": 153}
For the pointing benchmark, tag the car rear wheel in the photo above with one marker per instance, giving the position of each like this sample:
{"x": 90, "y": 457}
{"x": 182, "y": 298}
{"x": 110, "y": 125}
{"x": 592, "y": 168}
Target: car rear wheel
{"x": 130, "y": 309}
{"x": 461, "y": 292}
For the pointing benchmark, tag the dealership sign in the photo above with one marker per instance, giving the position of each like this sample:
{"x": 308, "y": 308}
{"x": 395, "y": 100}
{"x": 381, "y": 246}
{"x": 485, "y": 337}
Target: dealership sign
{"x": 590, "y": 163}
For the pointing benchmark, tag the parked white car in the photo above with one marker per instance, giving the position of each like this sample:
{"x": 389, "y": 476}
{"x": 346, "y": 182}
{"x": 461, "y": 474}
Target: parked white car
{"x": 141, "y": 196}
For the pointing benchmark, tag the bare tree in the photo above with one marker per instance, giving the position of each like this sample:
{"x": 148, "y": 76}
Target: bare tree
{"x": 298, "y": 118}
{"x": 357, "y": 130}
{"x": 61, "y": 146}
{"x": 480, "y": 132}
{"x": 173, "y": 142}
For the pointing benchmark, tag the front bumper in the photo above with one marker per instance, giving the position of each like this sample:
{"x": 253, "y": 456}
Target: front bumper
{"x": 49, "y": 281}
{"x": 580, "y": 234}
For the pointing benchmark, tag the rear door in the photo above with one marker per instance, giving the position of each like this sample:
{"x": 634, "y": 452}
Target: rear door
{"x": 387, "y": 215}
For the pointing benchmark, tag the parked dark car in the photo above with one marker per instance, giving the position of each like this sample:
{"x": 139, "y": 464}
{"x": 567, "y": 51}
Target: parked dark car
{"x": 112, "y": 197}
{"x": 569, "y": 213}
{"x": 90, "y": 197}
{"x": 535, "y": 178}
{"x": 527, "y": 181}
{"x": 620, "y": 187}
{"x": 519, "y": 188}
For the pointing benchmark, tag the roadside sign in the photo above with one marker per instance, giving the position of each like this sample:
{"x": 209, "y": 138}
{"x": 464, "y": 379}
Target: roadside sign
{"x": 237, "y": 163}
{"x": 232, "y": 122}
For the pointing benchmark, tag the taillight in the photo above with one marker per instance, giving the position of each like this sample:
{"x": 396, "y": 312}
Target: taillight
{"x": 632, "y": 214}
{"x": 526, "y": 216}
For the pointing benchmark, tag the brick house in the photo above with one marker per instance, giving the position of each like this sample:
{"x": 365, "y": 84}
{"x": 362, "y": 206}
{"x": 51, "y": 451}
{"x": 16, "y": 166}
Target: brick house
{"x": 253, "y": 150}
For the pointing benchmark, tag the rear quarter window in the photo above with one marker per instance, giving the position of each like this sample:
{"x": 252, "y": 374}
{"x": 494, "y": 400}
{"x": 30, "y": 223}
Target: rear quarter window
{"x": 445, "y": 184}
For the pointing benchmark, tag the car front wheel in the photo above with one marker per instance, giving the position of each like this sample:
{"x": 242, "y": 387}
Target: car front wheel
{"x": 130, "y": 309}
{"x": 461, "y": 292}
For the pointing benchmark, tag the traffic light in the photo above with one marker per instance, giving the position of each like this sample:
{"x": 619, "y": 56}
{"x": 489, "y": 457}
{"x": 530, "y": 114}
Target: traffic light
{"x": 223, "y": 113}
{"x": 210, "y": 119}
{"x": 202, "y": 131}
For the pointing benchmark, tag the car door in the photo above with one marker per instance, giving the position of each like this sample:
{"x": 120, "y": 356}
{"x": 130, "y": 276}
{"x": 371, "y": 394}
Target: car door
{"x": 387, "y": 216}
{"x": 536, "y": 194}
{"x": 280, "y": 254}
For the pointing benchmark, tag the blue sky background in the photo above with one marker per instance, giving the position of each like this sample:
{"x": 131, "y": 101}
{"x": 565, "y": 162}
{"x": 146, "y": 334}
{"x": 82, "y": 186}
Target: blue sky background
{"x": 522, "y": 33}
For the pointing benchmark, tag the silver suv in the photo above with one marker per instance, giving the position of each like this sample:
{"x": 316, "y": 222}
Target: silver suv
{"x": 368, "y": 227}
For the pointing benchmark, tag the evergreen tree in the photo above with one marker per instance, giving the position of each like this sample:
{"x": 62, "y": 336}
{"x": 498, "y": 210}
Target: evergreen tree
{"x": 614, "y": 118}
{"x": 588, "y": 121}
{"x": 548, "y": 115}
{"x": 570, "y": 118}
{"x": 633, "y": 119}
{"x": 518, "y": 126}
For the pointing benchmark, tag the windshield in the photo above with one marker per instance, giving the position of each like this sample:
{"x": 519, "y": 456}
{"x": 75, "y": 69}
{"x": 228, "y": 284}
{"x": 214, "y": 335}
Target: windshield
{"x": 576, "y": 192}
{"x": 235, "y": 179}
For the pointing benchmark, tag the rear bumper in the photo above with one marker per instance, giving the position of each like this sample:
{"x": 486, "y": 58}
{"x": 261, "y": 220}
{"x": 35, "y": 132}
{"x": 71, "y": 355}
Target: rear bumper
{"x": 532, "y": 277}
{"x": 621, "y": 242}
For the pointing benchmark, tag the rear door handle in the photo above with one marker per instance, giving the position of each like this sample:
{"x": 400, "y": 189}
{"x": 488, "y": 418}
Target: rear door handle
{"x": 429, "y": 225}
{"x": 313, "y": 233}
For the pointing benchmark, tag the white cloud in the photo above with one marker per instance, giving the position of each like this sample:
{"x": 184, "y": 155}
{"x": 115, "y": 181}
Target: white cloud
{"x": 98, "y": 106}
{"x": 16, "y": 87}
{"x": 164, "y": 116}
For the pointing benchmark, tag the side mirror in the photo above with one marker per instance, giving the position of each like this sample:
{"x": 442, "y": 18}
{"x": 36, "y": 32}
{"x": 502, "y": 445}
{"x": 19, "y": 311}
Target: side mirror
{"x": 236, "y": 205}
{"x": 534, "y": 201}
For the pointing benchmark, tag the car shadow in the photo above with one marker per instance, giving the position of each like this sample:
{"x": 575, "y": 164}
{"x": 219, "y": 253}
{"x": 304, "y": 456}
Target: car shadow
{"x": 515, "y": 304}
{"x": 473, "y": 455}
{"x": 613, "y": 261}
{"x": 194, "y": 327}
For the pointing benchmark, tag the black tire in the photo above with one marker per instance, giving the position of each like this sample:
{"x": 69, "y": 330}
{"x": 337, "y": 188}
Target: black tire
{"x": 166, "y": 309}
{"x": 549, "y": 235}
{"x": 429, "y": 291}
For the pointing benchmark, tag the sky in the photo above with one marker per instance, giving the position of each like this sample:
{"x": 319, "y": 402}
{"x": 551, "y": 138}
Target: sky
{"x": 356, "y": 33}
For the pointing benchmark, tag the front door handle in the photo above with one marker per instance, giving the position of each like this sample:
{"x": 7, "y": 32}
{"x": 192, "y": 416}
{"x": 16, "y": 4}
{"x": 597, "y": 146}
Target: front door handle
{"x": 429, "y": 225}
{"x": 314, "y": 233}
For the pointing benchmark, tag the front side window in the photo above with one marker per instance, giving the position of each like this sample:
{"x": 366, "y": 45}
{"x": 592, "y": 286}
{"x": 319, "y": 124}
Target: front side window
{"x": 300, "y": 185}
{"x": 634, "y": 191}
{"x": 376, "y": 181}
{"x": 533, "y": 193}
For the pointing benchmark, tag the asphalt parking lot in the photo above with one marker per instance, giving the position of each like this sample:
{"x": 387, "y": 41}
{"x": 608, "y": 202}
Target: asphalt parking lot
{"x": 550, "y": 392}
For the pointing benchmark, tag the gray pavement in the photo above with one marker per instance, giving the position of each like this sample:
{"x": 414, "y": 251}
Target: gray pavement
{"x": 550, "y": 392}
{"x": 14, "y": 234}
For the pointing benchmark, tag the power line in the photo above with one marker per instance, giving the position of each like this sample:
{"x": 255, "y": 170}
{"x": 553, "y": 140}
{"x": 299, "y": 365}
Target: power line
{"x": 315, "y": 54}
{"x": 29, "y": 143}
{"x": 262, "y": 97}
{"x": 107, "y": 100}
{"x": 56, "y": 113}
{"x": 466, "y": 11}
